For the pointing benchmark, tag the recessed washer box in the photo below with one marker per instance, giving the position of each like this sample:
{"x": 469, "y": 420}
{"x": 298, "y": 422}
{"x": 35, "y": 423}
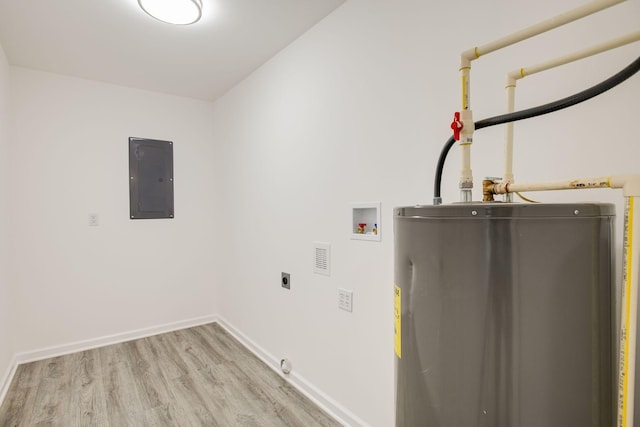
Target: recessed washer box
{"x": 365, "y": 221}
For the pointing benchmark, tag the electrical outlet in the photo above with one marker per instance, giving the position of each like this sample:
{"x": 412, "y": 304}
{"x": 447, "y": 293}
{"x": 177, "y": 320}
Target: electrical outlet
{"x": 285, "y": 281}
{"x": 345, "y": 300}
{"x": 93, "y": 220}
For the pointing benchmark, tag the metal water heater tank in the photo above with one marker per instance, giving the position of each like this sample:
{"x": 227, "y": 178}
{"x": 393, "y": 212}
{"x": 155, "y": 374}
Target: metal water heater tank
{"x": 504, "y": 315}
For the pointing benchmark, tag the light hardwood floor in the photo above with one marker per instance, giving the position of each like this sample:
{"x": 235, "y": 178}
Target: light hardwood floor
{"x": 199, "y": 376}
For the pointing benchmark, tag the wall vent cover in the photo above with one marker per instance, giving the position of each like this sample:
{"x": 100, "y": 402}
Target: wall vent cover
{"x": 322, "y": 258}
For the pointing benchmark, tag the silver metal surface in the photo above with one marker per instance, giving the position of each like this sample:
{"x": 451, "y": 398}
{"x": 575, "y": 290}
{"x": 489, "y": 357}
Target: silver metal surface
{"x": 506, "y": 315}
{"x": 466, "y": 195}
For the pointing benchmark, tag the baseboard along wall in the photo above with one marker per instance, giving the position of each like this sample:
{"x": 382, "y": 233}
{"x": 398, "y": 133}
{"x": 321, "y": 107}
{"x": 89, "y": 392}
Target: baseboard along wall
{"x": 337, "y": 411}
{"x": 330, "y": 406}
{"x": 6, "y": 379}
{"x": 63, "y": 349}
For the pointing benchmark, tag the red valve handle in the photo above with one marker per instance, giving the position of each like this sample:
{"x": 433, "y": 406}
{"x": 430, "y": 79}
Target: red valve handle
{"x": 456, "y": 126}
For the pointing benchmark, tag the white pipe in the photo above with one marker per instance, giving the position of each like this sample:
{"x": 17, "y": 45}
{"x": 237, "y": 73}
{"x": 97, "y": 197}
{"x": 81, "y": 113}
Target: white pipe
{"x": 576, "y": 184}
{"x": 508, "y": 143}
{"x": 539, "y": 28}
{"x": 465, "y": 76}
{"x": 581, "y": 54}
{"x": 629, "y": 183}
{"x": 508, "y": 161}
{"x": 629, "y": 313}
{"x": 466, "y": 137}
{"x": 520, "y": 73}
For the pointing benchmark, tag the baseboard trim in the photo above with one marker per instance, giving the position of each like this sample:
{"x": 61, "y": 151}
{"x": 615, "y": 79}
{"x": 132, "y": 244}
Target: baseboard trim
{"x": 6, "y": 379}
{"x": 333, "y": 408}
{"x": 337, "y": 411}
{"x": 60, "y": 350}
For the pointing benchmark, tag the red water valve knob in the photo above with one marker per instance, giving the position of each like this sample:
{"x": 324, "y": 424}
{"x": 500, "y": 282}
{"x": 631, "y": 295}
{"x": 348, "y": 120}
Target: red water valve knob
{"x": 456, "y": 126}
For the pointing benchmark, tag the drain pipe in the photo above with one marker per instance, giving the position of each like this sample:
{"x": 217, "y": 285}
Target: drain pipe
{"x": 462, "y": 124}
{"x": 630, "y": 185}
{"x": 515, "y": 75}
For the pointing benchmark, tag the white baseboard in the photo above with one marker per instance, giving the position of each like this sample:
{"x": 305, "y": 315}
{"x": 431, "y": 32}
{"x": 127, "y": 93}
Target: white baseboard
{"x": 337, "y": 411}
{"x": 5, "y": 380}
{"x": 60, "y": 350}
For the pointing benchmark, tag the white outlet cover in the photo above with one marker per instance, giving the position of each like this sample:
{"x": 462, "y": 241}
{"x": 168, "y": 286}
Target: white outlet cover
{"x": 345, "y": 300}
{"x": 94, "y": 220}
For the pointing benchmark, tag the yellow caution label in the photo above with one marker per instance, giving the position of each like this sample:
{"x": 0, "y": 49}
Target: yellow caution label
{"x": 398, "y": 320}
{"x": 465, "y": 95}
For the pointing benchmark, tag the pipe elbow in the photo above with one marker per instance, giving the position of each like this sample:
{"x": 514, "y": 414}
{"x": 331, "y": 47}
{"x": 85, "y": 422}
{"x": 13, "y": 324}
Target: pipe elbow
{"x": 513, "y": 76}
{"x": 467, "y": 56}
{"x": 630, "y": 184}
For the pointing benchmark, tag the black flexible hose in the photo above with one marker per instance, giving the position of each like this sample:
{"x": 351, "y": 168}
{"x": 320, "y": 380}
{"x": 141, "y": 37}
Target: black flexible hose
{"x": 569, "y": 101}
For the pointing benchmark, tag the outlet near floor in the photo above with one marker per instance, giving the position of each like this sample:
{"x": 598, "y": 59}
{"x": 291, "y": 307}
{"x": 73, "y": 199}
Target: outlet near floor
{"x": 345, "y": 300}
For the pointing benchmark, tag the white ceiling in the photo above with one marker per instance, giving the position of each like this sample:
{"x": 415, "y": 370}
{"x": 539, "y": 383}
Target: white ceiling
{"x": 115, "y": 41}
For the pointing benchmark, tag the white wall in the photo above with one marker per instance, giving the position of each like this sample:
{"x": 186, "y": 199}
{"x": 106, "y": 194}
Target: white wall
{"x": 357, "y": 110}
{"x": 6, "y": 320}
{"x": 69, "y": 158}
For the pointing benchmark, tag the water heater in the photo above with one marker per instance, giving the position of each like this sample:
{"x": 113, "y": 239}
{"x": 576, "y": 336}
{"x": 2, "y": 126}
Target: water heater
{"x": 504, "y": 315}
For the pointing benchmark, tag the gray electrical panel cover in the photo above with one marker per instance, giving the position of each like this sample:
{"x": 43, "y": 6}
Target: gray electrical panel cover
{"x": 150, "y": 178}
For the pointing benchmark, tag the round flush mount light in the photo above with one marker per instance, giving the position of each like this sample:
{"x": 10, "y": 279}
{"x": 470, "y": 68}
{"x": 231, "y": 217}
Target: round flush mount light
{"x": 181, "y": 12}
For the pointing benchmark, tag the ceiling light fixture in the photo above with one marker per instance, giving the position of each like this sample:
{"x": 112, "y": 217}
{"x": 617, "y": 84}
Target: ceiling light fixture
{"x": 181, "y": 12}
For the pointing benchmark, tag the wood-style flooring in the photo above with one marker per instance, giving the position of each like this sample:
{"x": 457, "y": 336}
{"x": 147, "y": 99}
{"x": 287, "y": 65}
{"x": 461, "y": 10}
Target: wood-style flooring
{"x": 199, "y": 376}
